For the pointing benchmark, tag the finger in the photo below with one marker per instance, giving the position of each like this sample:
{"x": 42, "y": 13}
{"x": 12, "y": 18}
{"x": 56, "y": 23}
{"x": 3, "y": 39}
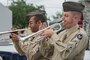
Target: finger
{"x": 44, "y": 25}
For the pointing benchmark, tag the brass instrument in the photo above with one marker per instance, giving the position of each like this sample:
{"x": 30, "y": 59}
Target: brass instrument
{"x": 11, "y": 31}
{"x": 33, "y": 46}
{"x": 56, "y": 27}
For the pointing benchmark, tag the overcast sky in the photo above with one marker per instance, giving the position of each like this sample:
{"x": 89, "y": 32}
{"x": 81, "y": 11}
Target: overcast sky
{"x": 51, "y": 6}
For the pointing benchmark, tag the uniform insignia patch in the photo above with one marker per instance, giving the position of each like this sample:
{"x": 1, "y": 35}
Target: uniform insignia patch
{"x": 80, "y": 36}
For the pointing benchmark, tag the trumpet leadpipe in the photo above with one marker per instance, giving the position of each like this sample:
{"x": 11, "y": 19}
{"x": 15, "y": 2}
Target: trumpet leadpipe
{"x": 31, "y": 35}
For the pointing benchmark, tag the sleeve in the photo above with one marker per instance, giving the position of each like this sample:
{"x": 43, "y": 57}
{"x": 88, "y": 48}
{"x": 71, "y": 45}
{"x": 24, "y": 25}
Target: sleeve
{"x": 73, "y": 47}
{"x": 18, "y": 47}
{"x": 45, "y": 48}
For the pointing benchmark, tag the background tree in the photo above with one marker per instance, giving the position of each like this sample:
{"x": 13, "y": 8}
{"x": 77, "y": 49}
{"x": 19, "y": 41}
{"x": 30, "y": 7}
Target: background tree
{"x": 19, "y": 10}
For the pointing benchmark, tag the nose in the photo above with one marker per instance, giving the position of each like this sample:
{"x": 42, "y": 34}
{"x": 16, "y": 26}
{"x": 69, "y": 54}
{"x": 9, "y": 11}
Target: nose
{"x": 29, "y": 25}
{"x": 63, "y": 17}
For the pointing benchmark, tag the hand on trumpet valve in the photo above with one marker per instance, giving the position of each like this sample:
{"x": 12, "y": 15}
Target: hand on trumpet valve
{"x": 48, "y": 33}
{"x": 14, "y": 37}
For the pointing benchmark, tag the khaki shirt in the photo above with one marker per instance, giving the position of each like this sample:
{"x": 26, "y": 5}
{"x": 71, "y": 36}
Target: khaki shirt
{"x": 68, "y": 45}
{"x": 19, "y": 44}
{"x": 29, "y": 48}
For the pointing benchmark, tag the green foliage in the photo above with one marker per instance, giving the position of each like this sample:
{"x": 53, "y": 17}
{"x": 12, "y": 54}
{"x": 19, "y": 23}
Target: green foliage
{"x": 19, "y": 10}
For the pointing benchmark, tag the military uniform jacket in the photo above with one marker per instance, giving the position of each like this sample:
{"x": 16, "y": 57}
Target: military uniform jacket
{"x": 68, "y": 45}
{"x": 29, "y": 48}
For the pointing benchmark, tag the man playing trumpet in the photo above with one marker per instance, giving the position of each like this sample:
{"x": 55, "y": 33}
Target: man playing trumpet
{"x": 71, "y": 43}
{"x": 27, "y": 47}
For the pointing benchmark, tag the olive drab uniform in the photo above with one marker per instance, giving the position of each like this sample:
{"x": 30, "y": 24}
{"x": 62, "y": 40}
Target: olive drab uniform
{"x": 68, "y": 45}
{"x": 29, "y": 48}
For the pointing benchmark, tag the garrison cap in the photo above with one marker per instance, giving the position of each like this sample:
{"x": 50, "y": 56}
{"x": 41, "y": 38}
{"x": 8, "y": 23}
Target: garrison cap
{"x": 37, "y": 12}
{"x": 73, "y": 6}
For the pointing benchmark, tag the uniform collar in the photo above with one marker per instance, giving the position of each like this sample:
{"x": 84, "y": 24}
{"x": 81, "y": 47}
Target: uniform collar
{"x": 71, "y": 30}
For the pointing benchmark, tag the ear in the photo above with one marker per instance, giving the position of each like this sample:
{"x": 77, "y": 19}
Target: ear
{"x": 39, "y": 22}
{"x": 75, "y": 17}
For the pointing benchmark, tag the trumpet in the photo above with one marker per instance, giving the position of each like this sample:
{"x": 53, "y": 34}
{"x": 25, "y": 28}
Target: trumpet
{"x": 11, "y": 31}
{"x": 56, "y": 27}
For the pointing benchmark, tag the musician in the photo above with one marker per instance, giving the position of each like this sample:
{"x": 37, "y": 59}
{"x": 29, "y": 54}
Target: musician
{"x": 71, "y": 43}
{"x": 29, "y": 48}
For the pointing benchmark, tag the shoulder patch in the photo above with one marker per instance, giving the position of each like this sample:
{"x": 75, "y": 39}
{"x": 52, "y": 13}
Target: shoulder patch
{"x": 80, "y": 36}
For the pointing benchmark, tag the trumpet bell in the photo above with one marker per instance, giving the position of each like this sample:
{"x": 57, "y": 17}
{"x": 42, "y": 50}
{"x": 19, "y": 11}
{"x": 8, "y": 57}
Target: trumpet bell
{"x": 56, "y": 27}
